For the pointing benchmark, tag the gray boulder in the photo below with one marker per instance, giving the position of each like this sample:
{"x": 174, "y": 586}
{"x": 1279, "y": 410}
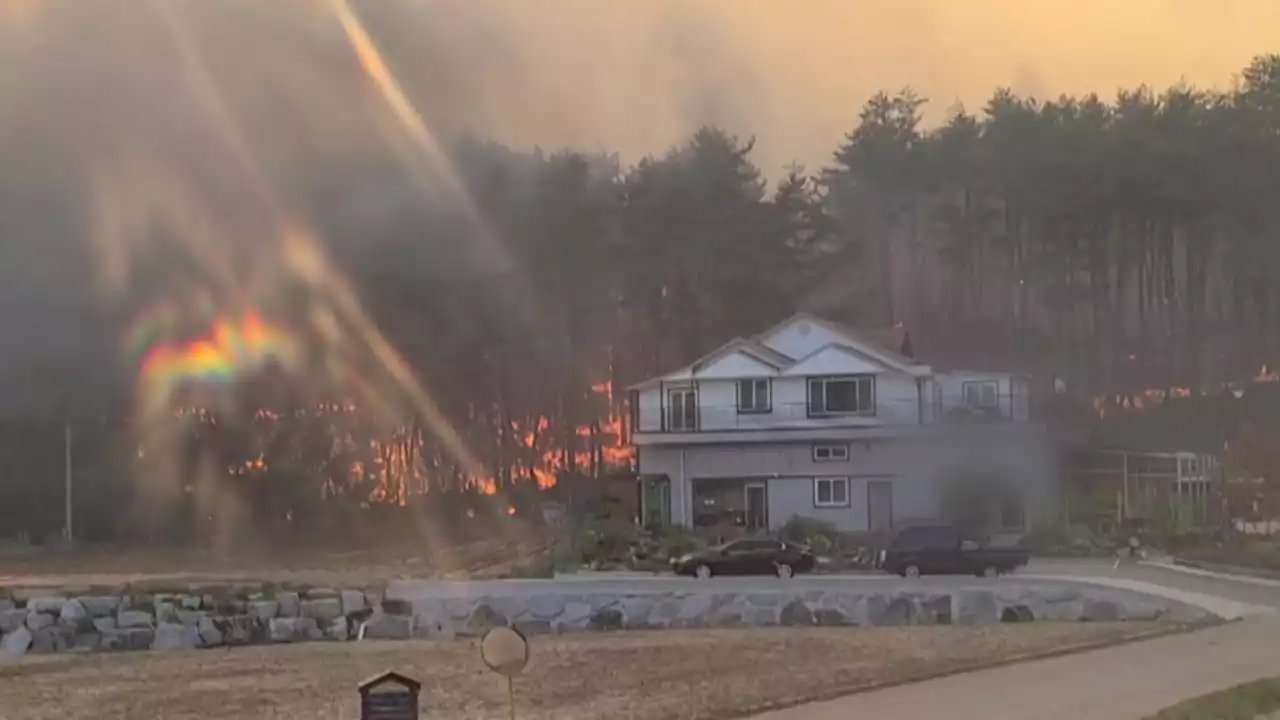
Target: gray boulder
{"x": 483, "y": 619}
{"x": 134, "y": 619}
{"x": 352, "y": 601}
{"x": 975, "y": 607}
{"x": 166, "y": 612}
{"x": 293, "y": 629}
{"x": 795, "y": 613}
{"x": 103, "y": 624}
{"x": 264, "y": 609}
{"x": 546, "y": 606}
{"x": 46, "y": 604}
{"x": 6, "y": 604}
{"x": 132, "y": 638}
{"x": 290, "y": 604}
{"x": 190, "y": 618}
{"x": 336, "y": 629}
{"x": 1100, "y": 611}
{"x": 86, "y": 641}
{"x": 384, "y": 626}
{"x": 607, "y": 619}
{"x": 830, "y": 617}
{"x": 575, "y": 616}
{"x": 210, "y": 634}
{"x": 322, "y": 609}
{"x": 37, "y": 620}
{"x": 172, "y": 636}
{"x": 101, "y": 605}
{"x": 190, "y": 602}
{"x": 11, "y": 620}
{"x": 16, "y": 642}
{"x": 51, "y": 639}
{"x": 240, "y": 629}
{"x": 74, "y": 614}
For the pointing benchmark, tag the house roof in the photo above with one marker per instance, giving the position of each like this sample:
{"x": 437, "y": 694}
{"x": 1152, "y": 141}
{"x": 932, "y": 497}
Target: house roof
{"x": 864, "y": 344}
{"x": 873, "y": 339}
{"x": 764, "y": 354}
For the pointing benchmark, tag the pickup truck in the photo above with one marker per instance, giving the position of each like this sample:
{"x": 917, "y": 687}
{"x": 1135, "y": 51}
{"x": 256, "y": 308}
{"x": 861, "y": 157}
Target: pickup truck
{"x": 942, "y": 550}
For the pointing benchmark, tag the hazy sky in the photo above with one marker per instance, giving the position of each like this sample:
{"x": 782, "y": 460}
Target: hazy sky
{"x": 634, "y": 75}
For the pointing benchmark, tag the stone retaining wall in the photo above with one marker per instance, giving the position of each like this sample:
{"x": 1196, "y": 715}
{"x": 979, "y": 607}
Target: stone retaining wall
{"x": 47, "y": 622}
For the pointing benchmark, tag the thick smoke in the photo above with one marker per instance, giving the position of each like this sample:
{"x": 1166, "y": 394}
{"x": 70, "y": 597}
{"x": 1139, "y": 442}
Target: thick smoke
{"x": 89, "y": 88}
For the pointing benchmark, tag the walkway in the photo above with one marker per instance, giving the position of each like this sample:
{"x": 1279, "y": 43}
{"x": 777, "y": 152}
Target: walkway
{"x": 1126, "y": 682}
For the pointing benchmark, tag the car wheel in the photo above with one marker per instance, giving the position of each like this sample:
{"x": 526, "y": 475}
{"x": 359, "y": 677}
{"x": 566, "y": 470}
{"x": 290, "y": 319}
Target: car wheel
{"x": 784, "y": 570}
{"x": 990, "y": 571}
{"x": 702, "y": 572}
{"x": 911, "y": 571}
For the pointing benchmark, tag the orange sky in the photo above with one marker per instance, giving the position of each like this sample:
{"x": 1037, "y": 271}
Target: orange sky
{"x": 636, "y": 74}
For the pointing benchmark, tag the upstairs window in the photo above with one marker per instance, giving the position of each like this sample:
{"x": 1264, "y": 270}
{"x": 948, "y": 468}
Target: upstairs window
{"x": 753, "y": 396}
{"x": 682, "y": 410}
{"x": 847, "y": 395}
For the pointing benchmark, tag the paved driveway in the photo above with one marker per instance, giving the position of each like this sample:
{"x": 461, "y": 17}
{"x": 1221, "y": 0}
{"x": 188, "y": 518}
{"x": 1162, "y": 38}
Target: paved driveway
{"x": 1126, "y": 682}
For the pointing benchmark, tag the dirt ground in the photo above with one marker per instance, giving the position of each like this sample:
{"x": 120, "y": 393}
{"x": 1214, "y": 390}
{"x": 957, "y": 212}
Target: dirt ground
{"x": 641, "y": 675}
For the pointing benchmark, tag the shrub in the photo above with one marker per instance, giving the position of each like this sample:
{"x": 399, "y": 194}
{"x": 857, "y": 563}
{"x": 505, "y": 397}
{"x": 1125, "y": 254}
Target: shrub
{"x": 803, "y": 529}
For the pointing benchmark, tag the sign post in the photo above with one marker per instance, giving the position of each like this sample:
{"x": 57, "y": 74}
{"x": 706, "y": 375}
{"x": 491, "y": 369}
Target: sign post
{"x": 389, "y": 696}
{"x": 506, "y": 651}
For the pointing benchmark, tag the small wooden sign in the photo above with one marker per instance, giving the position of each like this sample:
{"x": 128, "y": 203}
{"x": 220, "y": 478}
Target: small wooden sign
{"x": 389, "y": 696}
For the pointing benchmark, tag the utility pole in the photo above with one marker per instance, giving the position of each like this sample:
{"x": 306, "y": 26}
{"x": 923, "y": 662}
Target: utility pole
{"x": 66, "y": 509}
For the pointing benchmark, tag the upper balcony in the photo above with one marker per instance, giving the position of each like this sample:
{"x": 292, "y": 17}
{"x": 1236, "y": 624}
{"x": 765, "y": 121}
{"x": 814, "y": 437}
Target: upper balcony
{"x": 690, "y": 416}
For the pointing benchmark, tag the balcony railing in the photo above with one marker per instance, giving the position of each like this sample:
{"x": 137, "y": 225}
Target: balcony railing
{"x": 887, "y": 412}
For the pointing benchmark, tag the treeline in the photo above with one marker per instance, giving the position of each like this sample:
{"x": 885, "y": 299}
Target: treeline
{"x": 1115, "y": 245}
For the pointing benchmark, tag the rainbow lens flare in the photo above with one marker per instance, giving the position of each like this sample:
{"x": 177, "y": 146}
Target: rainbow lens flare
{"x": 231, "y": 348}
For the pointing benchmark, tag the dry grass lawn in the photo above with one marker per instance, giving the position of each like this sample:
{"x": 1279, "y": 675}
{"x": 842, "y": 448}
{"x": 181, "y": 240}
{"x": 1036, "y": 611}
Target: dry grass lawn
{"x": 165, "y": 568}
{"x": 643, "y": 675}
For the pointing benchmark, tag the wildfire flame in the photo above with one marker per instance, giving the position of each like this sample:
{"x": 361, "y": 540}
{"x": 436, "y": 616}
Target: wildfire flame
{"x": 1154, "y": 397}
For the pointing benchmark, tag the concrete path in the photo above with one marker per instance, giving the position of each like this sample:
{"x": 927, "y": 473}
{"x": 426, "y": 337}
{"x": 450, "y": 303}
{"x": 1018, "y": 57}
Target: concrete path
{"x": 1126, "y": 682}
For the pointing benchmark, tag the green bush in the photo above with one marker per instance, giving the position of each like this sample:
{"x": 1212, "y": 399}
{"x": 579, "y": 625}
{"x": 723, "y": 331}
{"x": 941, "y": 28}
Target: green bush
{"x": 803, "y": 529}
{"x": 677, "y": 540}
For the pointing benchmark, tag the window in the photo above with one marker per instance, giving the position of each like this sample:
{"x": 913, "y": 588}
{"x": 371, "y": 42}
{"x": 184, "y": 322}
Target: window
{"x": 831, "y": 492}
{"x": 981, "y": 394}
{"x": 682, "y": 410}
{"x": 830, "y": 453}
{"x": 851, "y": 395}
{"x": 753, "y": 396}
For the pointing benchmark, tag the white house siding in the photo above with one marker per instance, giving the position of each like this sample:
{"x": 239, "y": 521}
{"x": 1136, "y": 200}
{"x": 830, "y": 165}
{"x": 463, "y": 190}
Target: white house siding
{"x": 649, "y": 410}
{"x": 1012, "y": 392}
{"x": 897, "y": 403}
{"x": 917, "y": 468}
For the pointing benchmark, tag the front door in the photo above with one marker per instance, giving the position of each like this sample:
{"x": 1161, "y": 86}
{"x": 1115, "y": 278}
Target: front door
{"x": 655, "y": 501}
{"x": 879, "y": 506}
{"x": 757, "y": 502}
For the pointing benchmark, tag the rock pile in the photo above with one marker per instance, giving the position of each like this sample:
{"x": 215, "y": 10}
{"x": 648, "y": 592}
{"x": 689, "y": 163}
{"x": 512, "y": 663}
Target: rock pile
{"x": 127, "y": 620}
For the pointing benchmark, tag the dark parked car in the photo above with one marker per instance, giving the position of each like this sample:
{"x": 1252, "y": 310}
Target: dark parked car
{"x": 942, "y": 550}
{"x": 747, "y": 557}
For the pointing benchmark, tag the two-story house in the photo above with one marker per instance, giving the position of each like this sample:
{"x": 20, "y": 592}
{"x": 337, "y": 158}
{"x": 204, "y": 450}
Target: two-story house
{"x": 811, "y": 418}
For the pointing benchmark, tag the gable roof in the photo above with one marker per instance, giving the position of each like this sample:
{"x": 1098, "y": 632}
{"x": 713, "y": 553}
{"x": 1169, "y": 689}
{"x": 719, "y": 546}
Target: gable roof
{"x": 828, "y": 349}
{"x": 862, "y": 345}
{"x": 766, "y": 355}
{"x": 866, "y": 344}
